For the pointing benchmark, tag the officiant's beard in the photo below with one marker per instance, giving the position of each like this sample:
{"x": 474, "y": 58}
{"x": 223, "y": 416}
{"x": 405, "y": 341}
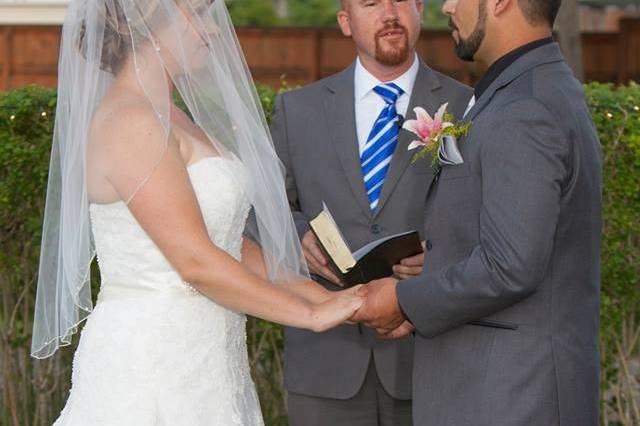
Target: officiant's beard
{"x": 394, "y": 55}
{"x": 466, "y": 49}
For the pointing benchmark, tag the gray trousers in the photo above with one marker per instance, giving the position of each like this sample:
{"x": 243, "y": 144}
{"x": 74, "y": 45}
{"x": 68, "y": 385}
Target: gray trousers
{"x": 371, "y": 406}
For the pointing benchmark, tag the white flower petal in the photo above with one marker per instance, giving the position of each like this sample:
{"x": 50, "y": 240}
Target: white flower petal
{"x": 441, "y": 111}
{"x": 423, "y": 115}
{"x": 415, "y": 144}
{"x": 411, "y": 125}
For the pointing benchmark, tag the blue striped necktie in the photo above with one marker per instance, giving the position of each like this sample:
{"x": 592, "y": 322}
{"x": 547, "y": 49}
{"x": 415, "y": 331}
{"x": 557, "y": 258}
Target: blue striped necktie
{"x": 382, "y": 141}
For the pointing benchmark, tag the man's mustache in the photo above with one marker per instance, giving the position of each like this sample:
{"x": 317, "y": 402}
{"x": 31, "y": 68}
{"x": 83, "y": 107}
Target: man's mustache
{"x": 391, "y": 27}
{"x": 452, "y": 25}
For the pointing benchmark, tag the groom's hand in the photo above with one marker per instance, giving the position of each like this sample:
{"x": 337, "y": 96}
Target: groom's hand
{"x": 405, "y": 329}
{"x": 381, "y": 310}
{"x": 318, "y": 263}
{"x": 410, "y": 266}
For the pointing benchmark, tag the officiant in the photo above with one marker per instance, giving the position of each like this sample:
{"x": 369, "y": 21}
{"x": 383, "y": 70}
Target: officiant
{"x": 341, "y": 142}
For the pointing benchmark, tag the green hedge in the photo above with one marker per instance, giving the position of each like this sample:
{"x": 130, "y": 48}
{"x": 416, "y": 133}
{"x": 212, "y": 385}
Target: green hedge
{"x": 33, "y": 392}
{"x": 309, "y": 13}
{"x": 616, "y": 113}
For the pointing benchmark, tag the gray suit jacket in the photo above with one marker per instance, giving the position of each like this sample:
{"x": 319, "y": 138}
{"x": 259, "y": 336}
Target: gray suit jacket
{"x": 314, "y": 133}
{"x": 515, "y": 234}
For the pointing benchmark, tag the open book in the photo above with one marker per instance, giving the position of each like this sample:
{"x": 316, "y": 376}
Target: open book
{"x": 373, "y": 261}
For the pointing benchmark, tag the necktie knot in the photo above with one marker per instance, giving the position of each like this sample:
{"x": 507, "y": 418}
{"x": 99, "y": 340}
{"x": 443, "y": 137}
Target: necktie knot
{"x": 390, "y": 92}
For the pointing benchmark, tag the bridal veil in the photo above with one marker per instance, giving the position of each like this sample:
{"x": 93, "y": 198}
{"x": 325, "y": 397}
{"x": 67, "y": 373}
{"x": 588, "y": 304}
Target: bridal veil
{"x": 194, "y": 42}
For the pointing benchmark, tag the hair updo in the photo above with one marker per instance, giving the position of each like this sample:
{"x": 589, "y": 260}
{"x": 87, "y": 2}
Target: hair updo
{"x": 119, "y": 34}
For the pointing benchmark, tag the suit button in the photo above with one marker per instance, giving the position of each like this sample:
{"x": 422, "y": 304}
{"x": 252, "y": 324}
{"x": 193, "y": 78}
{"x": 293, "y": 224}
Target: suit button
{"x": 376, "y": 229}
{"x": 428, "y": 245}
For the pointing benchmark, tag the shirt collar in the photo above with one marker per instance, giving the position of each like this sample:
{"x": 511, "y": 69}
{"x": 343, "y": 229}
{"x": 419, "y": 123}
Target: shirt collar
{"x": 365, "y": 81}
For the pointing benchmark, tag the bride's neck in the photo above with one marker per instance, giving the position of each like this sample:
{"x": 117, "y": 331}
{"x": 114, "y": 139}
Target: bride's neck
{"x": 143, "y": 80}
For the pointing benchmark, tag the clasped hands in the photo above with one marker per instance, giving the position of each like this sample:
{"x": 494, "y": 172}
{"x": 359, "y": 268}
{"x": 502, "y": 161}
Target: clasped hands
{"x": 381, "y": 310}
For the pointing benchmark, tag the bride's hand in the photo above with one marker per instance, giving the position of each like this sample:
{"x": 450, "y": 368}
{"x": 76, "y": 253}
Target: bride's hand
{"x": 338, "y": 309}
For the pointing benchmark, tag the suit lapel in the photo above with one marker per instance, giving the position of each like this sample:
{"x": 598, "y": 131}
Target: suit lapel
{"x": 542, "y": 55}
{"x": 423, "y": 95}
{"x": 340, "y": 113}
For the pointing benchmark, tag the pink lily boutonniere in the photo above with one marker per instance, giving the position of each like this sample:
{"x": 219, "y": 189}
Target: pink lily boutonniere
{"x": 437, "y": 136}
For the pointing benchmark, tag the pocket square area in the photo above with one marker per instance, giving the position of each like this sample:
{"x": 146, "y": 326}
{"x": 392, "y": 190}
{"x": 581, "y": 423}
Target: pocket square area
{"x": 448, "y": 153}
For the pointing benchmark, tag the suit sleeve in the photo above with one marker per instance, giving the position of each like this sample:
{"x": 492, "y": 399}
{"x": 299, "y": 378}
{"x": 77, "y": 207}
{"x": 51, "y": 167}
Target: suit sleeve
{"x": 281, "y": 142}
{"x": 523, "y": 170}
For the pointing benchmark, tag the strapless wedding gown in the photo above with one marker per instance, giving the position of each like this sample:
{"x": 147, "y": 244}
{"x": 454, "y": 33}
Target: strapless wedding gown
{"x": 154, "y": 351}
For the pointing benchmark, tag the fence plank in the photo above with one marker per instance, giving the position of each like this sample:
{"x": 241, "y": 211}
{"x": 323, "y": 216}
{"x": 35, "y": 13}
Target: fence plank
{"x": 5, "y": 57}
{"x": 629, "y": 50}
{"x": 28, "y": 54}
{"x": 600, "y": 56}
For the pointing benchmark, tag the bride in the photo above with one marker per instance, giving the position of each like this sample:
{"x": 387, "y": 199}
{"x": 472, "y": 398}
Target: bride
{"x": 186, "y": 213}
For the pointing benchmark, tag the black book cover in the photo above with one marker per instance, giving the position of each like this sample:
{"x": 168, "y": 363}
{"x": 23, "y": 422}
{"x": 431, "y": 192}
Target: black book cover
{"x": 376, "y": 260}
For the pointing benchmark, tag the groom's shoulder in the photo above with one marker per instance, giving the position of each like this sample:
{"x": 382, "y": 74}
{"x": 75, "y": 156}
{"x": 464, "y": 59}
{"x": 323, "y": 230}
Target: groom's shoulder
{"x": 553, "y": 86}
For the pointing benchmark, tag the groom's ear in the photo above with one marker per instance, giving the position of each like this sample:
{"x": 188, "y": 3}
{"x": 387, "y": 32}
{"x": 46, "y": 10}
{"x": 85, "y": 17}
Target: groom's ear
{"x": 344, "y": 22}
{"x": 499, "y": 7}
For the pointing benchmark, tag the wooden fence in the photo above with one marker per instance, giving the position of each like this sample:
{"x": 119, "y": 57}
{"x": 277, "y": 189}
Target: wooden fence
{"x": 29, "y": 54}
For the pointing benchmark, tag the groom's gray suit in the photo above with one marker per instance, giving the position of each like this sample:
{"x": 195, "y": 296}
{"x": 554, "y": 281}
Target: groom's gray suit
{"x": 515, "y": 235}
{"x": 314, "y": 133}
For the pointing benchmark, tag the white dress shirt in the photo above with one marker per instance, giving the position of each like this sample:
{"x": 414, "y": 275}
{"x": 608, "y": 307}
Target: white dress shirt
{"x": 369, "y": 104}
{"x": 470, "y": 105}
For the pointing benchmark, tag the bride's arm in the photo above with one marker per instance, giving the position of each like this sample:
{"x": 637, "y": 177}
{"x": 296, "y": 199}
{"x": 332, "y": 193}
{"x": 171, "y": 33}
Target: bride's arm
{"x": 253, "y": 259}
{"x": 167, "y": 209}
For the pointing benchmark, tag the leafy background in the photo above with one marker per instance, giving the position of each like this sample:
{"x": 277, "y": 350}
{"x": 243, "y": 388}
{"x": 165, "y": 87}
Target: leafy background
{"x": 304, "y": 13}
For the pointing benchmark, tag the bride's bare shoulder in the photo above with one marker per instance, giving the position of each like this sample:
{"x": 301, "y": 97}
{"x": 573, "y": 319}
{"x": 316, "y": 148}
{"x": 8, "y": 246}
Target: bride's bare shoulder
{"x": 125, "y": 122}
{"x": 125, "y": 137}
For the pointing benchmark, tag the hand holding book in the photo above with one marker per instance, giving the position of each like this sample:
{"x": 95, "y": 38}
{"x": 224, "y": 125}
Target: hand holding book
{"x": 374, "y": 260}
{"x": 410, "y": 267}
{"x": 316, "y": 259}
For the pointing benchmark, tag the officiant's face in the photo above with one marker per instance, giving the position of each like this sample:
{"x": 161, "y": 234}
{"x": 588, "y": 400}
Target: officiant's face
{"x": 384, "y": 30}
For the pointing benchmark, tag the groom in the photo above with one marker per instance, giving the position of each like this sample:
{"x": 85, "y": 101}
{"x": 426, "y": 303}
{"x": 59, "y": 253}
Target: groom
{"x": 515, "y": 236}
{"x": 327, "y": 138}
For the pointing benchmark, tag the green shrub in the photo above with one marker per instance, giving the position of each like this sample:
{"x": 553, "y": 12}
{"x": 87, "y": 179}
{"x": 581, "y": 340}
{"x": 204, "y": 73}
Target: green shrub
{"x": 616, "y": 113}
{"x": 33, "y": 392}
{"x": 310, "y": 13}
{"x": 253, "y": 13}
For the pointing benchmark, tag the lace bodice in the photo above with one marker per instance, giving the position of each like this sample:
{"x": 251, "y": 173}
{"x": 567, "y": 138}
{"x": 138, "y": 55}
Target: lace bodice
{"x": 153, "y": 351}
{"x": 125, "y": 252}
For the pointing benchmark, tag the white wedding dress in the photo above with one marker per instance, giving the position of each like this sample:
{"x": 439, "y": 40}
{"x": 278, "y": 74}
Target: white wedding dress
{"x": 154, "y": 351}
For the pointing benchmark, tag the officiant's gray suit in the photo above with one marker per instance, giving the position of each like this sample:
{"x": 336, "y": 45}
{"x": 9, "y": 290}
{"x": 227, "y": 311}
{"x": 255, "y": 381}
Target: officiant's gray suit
{"x": 314, "y": 133}
{"x": 515, "y": 235}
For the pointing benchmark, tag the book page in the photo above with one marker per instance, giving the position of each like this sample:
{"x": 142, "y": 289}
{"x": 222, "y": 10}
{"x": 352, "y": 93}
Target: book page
{"x": 332, "y": 240}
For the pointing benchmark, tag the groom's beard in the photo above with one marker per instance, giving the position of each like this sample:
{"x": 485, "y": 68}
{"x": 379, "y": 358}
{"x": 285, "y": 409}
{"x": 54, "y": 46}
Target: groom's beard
{"x": 394, "y": 55}
{"x": 466, "y": 49}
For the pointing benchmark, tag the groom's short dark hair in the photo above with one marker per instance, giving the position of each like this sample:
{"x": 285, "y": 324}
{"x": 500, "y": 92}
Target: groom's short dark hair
{"x": 538, "y": 11}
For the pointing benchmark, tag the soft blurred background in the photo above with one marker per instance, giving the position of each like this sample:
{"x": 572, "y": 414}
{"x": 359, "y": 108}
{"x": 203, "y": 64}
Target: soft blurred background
{"x": 290, "y": 43}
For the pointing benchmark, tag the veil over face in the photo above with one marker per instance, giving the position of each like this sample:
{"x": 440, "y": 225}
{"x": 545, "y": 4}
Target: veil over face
{"x": 192, "y": 46}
